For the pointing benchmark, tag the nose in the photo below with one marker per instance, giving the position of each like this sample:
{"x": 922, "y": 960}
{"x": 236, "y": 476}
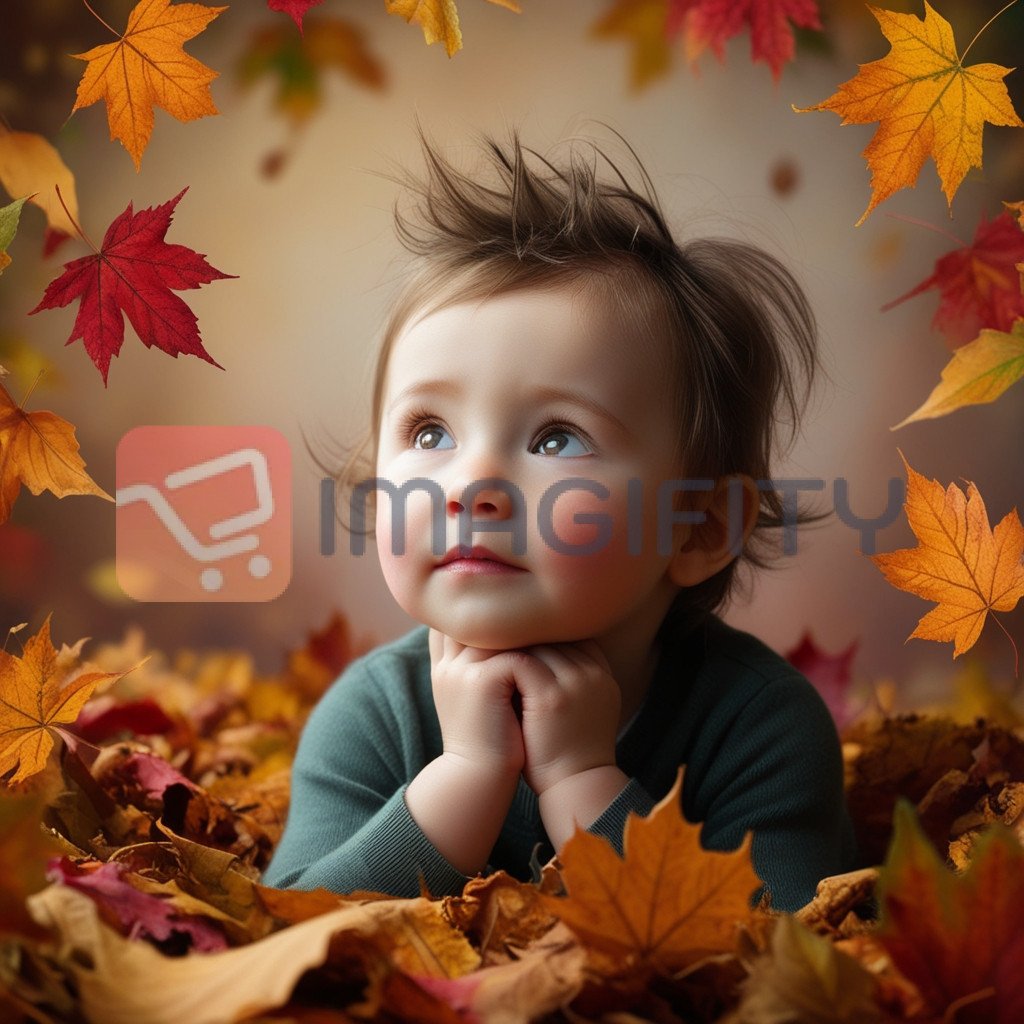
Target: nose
{"x": 486, "y": 497}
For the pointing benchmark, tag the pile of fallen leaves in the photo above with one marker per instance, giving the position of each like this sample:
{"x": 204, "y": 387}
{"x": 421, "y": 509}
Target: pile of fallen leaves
{"x": 143, "y": 799}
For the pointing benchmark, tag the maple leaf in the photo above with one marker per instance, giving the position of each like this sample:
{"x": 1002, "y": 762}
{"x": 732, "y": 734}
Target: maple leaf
{"x": 926, "y": 101}
{"x": 804, "y": 978}
{"x": 9, "y": 217}
{"x": 979, "y": 372}
{"x": 297, "y": 63}
{"x": 34, "y": 700}
{"x": 960, "y": 562}
{"x": 711, "y": 23}
{"x": 830, "y": 674}
{"x": 39, "y": 450}
{"x": 148, "y": 67}
{"x": 958, "y": 938}
{"x": 133, "y": 273}
{"x": 643, "y": 22}
{"x": 978, "y": 283}
{"x": 668, "y": 902}
{"x": 439, "y": 19}
{"x": 24, "y": 850}
{"x": 30, "y": 166}
{"x": 295, "y": 8}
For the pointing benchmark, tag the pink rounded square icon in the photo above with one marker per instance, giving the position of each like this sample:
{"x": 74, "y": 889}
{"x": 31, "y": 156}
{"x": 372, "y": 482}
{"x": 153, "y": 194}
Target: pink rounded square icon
{"x": 203, "y": 513}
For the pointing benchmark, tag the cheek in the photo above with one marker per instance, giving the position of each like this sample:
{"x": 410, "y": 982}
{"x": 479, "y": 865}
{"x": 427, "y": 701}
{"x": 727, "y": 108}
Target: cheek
{"x": 594, "y": 530}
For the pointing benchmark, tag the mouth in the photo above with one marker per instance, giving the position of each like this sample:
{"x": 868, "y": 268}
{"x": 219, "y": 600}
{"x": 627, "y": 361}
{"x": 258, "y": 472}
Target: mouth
{"x": 477, "y": 558}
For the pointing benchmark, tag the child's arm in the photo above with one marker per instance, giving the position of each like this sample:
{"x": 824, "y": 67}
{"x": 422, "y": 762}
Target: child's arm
{"x": 349, "y": 826}
{"x": 461, "y": 809}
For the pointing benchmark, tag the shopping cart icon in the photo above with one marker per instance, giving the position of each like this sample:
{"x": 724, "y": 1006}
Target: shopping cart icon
{"x": 176, "y": 547}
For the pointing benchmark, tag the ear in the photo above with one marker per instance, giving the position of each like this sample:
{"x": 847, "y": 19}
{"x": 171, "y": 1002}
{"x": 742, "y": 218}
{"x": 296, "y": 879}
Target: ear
{"x": 702, "y": 549}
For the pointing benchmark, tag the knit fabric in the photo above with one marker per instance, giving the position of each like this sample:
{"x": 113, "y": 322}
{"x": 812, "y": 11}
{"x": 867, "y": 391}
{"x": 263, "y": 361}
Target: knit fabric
{"x": 759, "y": 745}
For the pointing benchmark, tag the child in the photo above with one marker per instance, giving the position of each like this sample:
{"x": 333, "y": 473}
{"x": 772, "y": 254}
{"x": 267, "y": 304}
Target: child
{"x": 573, "y": 418}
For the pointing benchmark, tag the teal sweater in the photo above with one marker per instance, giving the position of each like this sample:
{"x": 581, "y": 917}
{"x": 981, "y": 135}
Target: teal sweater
{"x": 760, "y": 748}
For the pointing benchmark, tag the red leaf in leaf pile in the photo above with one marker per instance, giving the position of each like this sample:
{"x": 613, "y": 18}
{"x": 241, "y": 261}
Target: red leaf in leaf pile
{"x": 134, "y": 273}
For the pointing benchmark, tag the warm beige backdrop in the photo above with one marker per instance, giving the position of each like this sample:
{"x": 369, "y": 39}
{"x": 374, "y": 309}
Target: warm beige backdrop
{"x": 317, "y": 264}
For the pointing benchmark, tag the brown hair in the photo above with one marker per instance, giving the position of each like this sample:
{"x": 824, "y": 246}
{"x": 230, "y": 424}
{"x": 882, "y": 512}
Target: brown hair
{"x": 732, "y": 314}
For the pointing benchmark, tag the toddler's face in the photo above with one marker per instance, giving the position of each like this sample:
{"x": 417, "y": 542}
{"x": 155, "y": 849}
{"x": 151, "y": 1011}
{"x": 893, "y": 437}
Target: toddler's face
{"x": 535, "y": 388}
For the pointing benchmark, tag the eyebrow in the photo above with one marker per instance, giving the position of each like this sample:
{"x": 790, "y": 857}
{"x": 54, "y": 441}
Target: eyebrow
{"x": 545, "y": 393}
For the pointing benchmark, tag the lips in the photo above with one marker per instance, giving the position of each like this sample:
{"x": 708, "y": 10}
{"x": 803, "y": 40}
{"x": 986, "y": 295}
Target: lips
{"x": 477, "y": 552}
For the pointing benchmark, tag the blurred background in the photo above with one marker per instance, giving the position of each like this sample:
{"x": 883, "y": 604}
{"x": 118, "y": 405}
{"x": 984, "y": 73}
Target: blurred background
{"x": 285, "y": 191}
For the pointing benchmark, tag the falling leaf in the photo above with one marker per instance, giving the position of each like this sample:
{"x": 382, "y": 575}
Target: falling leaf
{"x": 9, "y": 217}
{"x": 830, "y": 674}
{"x": 31, "y": 166}
{"x": 960, "y": 561}
{"x": 148, "y": 67}
{"x": 439, "y": 19}
{"x": 35, "y": 699}
{"x": 295, "y": 8}
{"x": 667, "y": 902}
{"x": 978, "y": 283}
{"x": 712, "y": 23}
{"x": 133, "y": 273}
{"x": 927, "y": 103}
{"x": 642, "y": 22}
{"x": 956, "y": 937}
{"x": 297, "y": 63}
{"x": 978, "y": 372}
{"x": 39, "y": 450}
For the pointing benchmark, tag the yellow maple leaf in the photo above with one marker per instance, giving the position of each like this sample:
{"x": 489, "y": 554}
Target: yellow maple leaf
{"x": 643, "y": 23}
{"x": 979, "y": 372}
{"x": 147, "y": 67}
{"x": 30, "y": 166}
{"x": 39, "y": 450}
{"x": 668, "y": 902}
{"x": 34, "y": 699}
{"x": 439, "y": 19}
{"x": 960, "y": 561}
{"x": 926, "y": 104}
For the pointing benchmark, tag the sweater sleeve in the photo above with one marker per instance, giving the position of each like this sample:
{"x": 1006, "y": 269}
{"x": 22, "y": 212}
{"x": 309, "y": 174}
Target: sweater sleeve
{"x": 780, "y": 774}
{"x": 611, "y": 823}
{"x": 348, "y": 825}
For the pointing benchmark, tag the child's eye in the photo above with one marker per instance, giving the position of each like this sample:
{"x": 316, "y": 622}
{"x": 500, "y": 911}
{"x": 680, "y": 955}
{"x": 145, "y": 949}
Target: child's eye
{"x": 561, "y": 441}
{"x": 430, "y": 437}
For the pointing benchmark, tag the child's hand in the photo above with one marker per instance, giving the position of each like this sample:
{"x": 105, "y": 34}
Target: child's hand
{"x": 571, "y": 707}
{"x": 473, "y": 690}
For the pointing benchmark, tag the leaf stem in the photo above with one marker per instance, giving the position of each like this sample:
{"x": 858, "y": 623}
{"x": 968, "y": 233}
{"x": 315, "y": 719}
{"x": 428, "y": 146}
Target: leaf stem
{"x": 119, "y": 34}
{"x": 1013, "y": 645}
{"x": 21, "y": 405}
{"x": 930, "y": 227}
{"x": 963, "y": 56}
{"x": 84, "y": 236}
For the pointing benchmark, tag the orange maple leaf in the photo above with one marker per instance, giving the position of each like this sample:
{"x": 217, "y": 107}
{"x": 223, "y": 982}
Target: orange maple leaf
{"x": 39, "y": 450}
{"x": 147, "y": 67}
{"x": 668, "y": 902}
{"x": 439, "y": 19}
{"x": 926, "y": 104}
{"x": 960, "y": 561}
{"x": 958, "y": 938}
{"x": 34, "y": 698}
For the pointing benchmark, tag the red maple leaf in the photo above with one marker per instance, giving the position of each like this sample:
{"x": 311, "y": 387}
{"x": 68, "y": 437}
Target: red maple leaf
{"x": 133, "y": 273}
{"x": 830, "y": 674}
{"x": 296, "y": 8}
{"x": 979, "y": 284}
{"x": 713, "y": 22}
